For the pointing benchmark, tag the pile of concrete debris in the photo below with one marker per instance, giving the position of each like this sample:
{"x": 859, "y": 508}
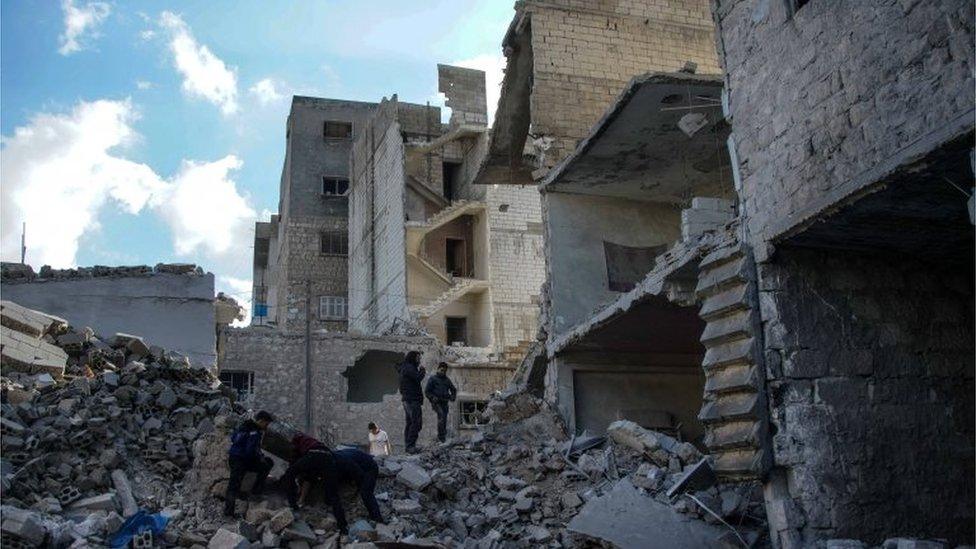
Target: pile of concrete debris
{"x": 93, "y": 429}
{"x": 13, "y": 272}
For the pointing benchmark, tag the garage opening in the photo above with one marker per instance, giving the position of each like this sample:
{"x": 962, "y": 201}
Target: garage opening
{"x": 372, "y": 376}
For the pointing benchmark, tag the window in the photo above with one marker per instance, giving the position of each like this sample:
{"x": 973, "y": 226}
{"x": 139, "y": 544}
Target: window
{"x": 457, "y": 329}
{"x": 337, "y": 130}
{"x": 332, "y": 307}
{"x": 452, "y": 175}
{"x": 335, "y": 186}
{"x": 628, "y": 265}
{"x": 469, "y": 413}
{"x": 241, "y": 382}
{"x": 335, "y": 243}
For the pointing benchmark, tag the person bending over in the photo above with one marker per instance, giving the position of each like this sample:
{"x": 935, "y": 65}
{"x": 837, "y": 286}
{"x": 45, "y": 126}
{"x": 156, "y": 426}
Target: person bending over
{"x": 245, "y": 456}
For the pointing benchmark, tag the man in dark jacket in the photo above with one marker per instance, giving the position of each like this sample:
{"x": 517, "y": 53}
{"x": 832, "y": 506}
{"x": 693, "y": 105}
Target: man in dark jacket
{"x": 245, "y": 456}
{"x": 332, "y": 468}
{"x": 440, "y": 392}
{"x": 411, "y": 374}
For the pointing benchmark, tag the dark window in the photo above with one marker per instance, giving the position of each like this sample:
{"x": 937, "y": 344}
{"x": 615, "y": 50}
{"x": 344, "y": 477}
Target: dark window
{"x": 457, "y": 329}
{"x": 335, "y": 186}
{"x": 470, "y": 413}
{"x": 454, "y": 257}
{"x": 335, "y": 243}
{"x": 241, "y": 382}
{"x": 794, "y": 6}
{"x": 337, "y": 130}
{"x": 627, "y": 265}
{"x": 452, "y": 175}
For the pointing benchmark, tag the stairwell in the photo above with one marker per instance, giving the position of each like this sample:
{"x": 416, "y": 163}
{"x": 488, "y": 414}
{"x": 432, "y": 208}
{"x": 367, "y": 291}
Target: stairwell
{"x": 734, "y": 409}
{"x": 460, "y": 287}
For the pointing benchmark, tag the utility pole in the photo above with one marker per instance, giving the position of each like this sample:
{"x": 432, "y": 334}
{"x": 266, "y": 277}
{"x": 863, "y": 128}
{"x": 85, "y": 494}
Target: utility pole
{"x": 23, "y": 243}
{"x": 308, "y": 356}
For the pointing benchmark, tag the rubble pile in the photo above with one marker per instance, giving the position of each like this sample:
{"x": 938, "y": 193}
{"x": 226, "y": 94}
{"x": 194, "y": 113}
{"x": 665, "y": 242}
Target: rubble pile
{"x": 14, "y": 272}
{"x": 93, "y": 429}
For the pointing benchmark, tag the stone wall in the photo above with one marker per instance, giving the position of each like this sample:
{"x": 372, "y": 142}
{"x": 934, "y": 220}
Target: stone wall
{"x": 810, "y": 130}
{"x": 174, "y": 311}
{"x": 870, "y": 369}
{"x": 516, "y": 262}
{"x": 278, "y": 363}
{"x": 310, "y": 272}
{"x": 584, "y": 53}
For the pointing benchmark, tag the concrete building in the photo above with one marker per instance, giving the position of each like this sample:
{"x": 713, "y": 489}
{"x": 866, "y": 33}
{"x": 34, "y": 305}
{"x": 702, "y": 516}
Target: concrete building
{"x": 824, "y": 281}
{"x": 170, "y": 305}
{"x": 431, "y": 249}
{"x": 301, "y": 254}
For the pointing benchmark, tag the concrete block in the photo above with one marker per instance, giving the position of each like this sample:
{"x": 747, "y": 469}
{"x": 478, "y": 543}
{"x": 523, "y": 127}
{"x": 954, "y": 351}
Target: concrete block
{"x": 405, "y": 506}
{"x": 414, "y": 476}
{"x": 124, "y": 491}
{"x": 22, "y": 524}
{"x": 103, "y": 502}
{"x": 225, "y": 539}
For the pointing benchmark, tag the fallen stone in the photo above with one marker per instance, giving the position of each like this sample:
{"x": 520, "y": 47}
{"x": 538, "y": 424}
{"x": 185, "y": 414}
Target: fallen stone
{"x": 298, "y": 530}
{"x": 524, "y": 505}
{"x": 22, "y": 524}
{"x": 910, "y": 543}
{"x": 504, "y": 482}
{"x": 628, "y": 519}
{"x": 845, "y": 544}
{"x": 413, "y": 476}
{"x": 225, "y": 539}
{"x": 270, "y": 539}
{"x": 281, "y": 520}
{"x": 538, "y": 534}
{"x": 634, "y": 436}
{"x": 103, "y": 502}
{"x": 362, "y": 531}
{"x": 405, "y": 506}
{"x": 124, "y": 491}
{"x": 570, "y": 500}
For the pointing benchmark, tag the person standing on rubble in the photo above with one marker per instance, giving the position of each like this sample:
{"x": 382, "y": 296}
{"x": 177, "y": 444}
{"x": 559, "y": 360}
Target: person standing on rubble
{"x": 411, "y": 374}
{"x": 379, "y": 441}
{"x": 245, "y": 456}
{"x": 348, "y": 465}
{"x": 440, "y": 392}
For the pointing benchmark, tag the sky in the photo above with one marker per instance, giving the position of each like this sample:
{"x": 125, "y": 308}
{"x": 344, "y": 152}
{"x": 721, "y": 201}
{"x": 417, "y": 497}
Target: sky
{"x": 136, "y": 133}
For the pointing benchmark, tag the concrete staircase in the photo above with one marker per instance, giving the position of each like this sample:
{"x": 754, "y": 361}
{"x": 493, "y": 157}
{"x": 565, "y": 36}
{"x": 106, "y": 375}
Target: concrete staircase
{"x": 417, "y": 229}
{"x": 734, "y": 412}
{"x": 460, "y": 287}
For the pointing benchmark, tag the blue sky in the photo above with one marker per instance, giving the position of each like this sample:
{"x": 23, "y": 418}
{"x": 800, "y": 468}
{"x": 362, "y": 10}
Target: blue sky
{"x": 141, "y": 132}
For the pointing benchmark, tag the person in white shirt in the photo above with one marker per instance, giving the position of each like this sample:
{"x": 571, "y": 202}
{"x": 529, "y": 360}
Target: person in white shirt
{"x": 379, "y": 442}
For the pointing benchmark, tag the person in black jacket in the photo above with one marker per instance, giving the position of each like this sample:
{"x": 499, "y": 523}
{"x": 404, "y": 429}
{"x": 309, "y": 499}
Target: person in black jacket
{"x": 411, "y": 374}
{"x": 333, "y": 468}
{"x": 440, "y": 392}
{"x": 244, "y": 456}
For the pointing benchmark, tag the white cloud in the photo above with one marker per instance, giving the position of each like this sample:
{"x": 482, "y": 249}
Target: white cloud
{"x": 147, "y": 34}
{"x": 204, "y": 210}
{"x": 79, "y": 21}
{"x": 494, "y": 67}
{"x": 204, "y": 74}
{"x": 266, "y": 91}
{"x": 143, "y": 84}
{"x": 61, "y": 170}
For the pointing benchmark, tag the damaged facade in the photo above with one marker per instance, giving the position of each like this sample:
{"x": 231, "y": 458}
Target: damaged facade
{"x": 173, "y": 301}
{"x": 805, "y": 282}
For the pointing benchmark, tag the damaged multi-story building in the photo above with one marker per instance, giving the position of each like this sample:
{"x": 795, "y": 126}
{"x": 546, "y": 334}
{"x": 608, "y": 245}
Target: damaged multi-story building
{"x": 778, "y": 265}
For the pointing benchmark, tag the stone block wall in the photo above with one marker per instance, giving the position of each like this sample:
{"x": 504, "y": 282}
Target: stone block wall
{"x": 870, "y": 372}
{"x": 310, "y": 272}
{"x": 465, "y": 91}
{"x": 809, "y": 130}
{"x": 584, "y": 53}
{"x": 278, "y": 363}
{"x": 516, "y": 262}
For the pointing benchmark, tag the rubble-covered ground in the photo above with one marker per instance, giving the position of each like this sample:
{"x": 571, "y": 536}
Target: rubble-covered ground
{"x": 96, "y": 429}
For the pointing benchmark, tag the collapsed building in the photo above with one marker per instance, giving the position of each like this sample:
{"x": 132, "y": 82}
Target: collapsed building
{"x": 781, "y": 268}
{"x": 174, "y": 301}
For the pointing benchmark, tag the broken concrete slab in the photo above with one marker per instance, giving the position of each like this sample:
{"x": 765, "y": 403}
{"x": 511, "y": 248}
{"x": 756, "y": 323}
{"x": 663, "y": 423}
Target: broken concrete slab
{"x": 628, "y": 519}
{"x": 103, "y": 502}
{"x": 414, "y": 476}
{"x": 124, "y": 491}
{"x": 22, "y": 524}
{"x": 697, "y": 477}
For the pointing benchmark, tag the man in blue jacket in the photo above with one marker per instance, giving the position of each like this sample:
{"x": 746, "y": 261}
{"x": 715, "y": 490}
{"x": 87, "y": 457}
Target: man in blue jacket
{"x": 411, "y": 374}
{"x": 245, "y": 456}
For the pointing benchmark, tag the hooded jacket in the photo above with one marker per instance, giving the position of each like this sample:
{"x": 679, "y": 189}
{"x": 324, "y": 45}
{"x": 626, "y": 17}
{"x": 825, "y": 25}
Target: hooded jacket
{"x": 410, "y": 377}
{"x": 245, "y": 442}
